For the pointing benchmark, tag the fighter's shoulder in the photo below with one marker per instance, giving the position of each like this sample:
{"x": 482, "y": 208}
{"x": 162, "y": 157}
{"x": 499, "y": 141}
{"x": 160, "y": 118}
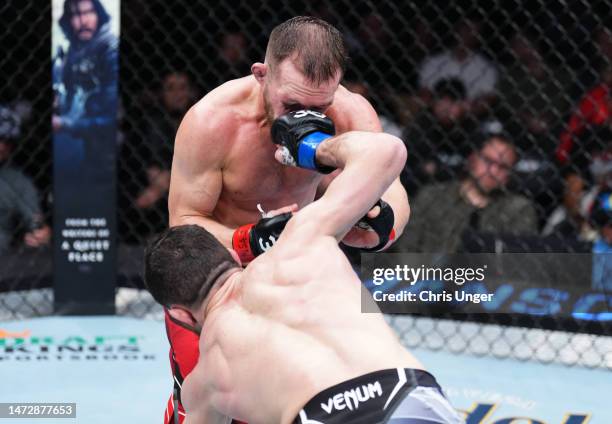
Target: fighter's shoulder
{"x": 223, "y": 106}
{"x": 351, "y": 111}
{"x": 301, "y": 234}
{"x": 219, "y": 114}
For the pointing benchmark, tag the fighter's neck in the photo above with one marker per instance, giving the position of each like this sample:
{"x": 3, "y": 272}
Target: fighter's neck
{"x": 256, "y": 102}
{"x": 224, "y": 289}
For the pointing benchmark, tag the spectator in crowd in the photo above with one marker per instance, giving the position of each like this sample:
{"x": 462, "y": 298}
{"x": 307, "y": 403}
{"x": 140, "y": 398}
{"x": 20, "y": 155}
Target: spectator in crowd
{"x": 20, "y": 211}
{"x": 230, "y": 61}
{"x": 584, "y": 138}
{"x": 439, "y": 139}
{"x": 593, "y": 109}
{"x": 368, "y": 47}
{"x": 441, "y": 213}
{"x": 601, "y": 219}
{"x": 464, "y": 62}
{"x": 571, "y": 218}
{"x": 378, "y": 53}
{"x": 378, "y": 64}
{"x": 234, "y": 54}
{"x": 373, "y": 33}
{"x": 421, "y": 43}
{"x": 533, "y": 97}
{"x": 533, "y": 102}
{"x": 388, "y": 123}
{"x": 568, "y": 219}
{"x": 593, "y": 64}
{"x": 161, "y": 122}
{"x": 147, "y": 159}
{"x": 603, "y": 44}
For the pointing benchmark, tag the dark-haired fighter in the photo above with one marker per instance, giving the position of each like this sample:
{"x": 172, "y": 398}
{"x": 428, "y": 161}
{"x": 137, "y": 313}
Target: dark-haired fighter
{"x": 224, "y": 163}
{"x": 284, "y": 340}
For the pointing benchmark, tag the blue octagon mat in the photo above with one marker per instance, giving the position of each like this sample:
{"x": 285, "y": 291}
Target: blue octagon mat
{"x": 116, "y": 370}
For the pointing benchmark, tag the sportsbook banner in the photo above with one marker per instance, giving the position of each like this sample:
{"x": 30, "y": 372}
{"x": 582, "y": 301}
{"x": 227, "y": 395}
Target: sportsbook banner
{"x": 545, "y": 285}
{"x": 115, "y": 369}
{"x": 85, "y": 47}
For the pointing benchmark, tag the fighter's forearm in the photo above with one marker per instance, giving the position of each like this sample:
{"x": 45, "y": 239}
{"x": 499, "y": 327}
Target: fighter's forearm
{"x": 369, "y": 167}
{"x": 375, "y": 156}
{"x": 395, "y": 195}
{"x": 397, "y": 198}
{"x": 349, "y": 147}
{"x": 222, "y": 232}
{"x": 346, "y": 148}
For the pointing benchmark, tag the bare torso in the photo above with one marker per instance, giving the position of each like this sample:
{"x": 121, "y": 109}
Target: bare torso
{"x": 241, "y": 142}
{"x": 252, "y": 176}
{"x": 288, "y": 327}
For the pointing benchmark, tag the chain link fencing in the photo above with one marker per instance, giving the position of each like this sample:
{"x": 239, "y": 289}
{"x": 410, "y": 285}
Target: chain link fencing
{"x": 446, "y": 77}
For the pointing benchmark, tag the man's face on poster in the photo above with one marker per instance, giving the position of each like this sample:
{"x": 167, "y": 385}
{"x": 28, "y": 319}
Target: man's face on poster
{"x": 84, "y": 19}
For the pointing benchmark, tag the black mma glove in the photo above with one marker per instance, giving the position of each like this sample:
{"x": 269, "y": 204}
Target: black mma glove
{"x": 300, "y": 133}
{"x": 252, "y": 240}
{"x": 382, "y": 225}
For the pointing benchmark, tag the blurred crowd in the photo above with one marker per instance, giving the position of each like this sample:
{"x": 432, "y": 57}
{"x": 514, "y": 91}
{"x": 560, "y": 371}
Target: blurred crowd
{"x": 511, "y": 146}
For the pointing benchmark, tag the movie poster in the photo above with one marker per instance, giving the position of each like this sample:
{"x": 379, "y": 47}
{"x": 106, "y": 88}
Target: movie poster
{"x": 85, "y": 50}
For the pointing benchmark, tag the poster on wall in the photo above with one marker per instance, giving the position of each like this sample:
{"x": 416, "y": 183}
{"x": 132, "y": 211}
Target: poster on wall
{"x": 85, "y": 49}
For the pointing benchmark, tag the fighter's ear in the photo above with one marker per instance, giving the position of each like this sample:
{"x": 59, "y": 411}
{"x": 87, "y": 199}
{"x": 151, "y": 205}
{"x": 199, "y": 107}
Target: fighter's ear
{"x": 259, "y": 71}
{"x": 182, "y": 314}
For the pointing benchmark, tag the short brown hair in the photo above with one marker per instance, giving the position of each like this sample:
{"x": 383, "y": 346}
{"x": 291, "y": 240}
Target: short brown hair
{"x": 318, "y": 45}
{"x": 182, "y": 265}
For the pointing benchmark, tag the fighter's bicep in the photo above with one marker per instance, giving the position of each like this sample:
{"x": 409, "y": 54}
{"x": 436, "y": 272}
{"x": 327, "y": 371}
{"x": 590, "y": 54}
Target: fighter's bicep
{"x": 194, "y": 194}
{"x": 196, "y": 178}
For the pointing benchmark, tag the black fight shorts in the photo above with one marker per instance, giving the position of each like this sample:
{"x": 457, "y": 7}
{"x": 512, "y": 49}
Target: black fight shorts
{"x": 393, "y": 396}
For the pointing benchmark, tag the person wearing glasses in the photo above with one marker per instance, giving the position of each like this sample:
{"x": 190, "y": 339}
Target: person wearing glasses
{"x": 478, "y": 201}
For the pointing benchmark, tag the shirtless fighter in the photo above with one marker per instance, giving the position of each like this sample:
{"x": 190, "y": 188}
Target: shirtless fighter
{"x": 224, "y": 162}
{"x": 284, "y": 341}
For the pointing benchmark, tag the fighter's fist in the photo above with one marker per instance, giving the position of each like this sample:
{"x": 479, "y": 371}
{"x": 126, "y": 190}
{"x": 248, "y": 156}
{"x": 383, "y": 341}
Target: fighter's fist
{"x": 252, "y": 240}
{"x": 298, "y": 134}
